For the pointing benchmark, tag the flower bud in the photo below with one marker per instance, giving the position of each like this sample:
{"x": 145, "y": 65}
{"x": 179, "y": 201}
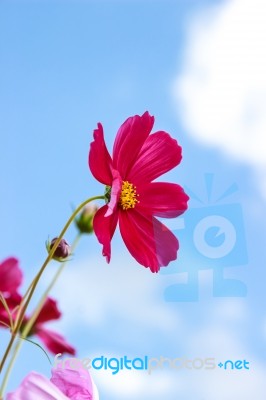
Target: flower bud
{"x": 84, "y": 220}
{"x": 62, "y": 251}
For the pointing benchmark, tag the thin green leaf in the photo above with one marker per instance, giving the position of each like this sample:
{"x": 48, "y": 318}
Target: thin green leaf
{"x": 38, "y": 345}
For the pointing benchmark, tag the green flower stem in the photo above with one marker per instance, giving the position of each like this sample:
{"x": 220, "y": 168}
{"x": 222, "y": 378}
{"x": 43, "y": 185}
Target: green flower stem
{"x": 34, "y": 316}
{"x": 23, "y": 308}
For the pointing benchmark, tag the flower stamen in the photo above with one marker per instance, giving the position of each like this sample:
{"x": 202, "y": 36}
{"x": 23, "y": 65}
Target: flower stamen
{"x": 128, "y": 197}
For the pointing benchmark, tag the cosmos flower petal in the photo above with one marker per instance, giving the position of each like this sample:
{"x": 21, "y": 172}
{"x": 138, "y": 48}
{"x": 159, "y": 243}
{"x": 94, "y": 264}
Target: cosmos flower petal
{"x": 36, "y": 386}
{"x": 104, "y": 228}
{"x": 150, "y": 242}
{"x": 49, "y": 311}
{"x": 10, "y": 275}
{"x": 159, "y": 154}
{"x": 13, "y": 301}
{"x": 162, "y": 199}
{"x": 54, "y": 342}
{"x": 115, "y": 192}
{"x": 129, "y": 141}
{"x": 75, "y": 383}
{"x": 100, "y": 162}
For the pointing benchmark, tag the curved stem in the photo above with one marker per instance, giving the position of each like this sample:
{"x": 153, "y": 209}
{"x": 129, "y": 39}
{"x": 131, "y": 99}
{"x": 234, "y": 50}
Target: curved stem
{"x": 33, "y": 318}
{"x": 23, "y": 308}
{"x": 6, "y": 376}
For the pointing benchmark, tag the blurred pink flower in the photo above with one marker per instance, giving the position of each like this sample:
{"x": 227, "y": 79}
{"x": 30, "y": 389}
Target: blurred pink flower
{"x": 53, "y": 341}
{"x": 76, "y": 384}
{"x": 133, "y": 198}
{"x": 10, "y": 275}
{"x": 36, "y": 387}
{"x": 65, "y": 384}
{"x": 10, "y": 280}
{"x": 12, "y": 300}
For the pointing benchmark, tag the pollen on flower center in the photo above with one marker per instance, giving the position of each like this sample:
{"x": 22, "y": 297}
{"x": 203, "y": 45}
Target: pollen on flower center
{"x": 128, "y": 197}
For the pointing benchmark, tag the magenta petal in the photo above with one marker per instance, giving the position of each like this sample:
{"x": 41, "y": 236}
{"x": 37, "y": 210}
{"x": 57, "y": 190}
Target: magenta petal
{"x": 74, "y": 383}
{"x": 129, "y": 141}
{"x": 159, "y": 154}
{"x": 115, "y": 193}
{"x": 36, "y": 387}
{"x": 100, "y": 162}
{"x": 104, "y": 228}
{"x": 162, "y": 199}
{"x": 10, "y": 275}
{"x": 49, "y": 311}
{"x": 13, "y": 301}
{"x": 53, "y": 341}
{"x": 150, "y": 242}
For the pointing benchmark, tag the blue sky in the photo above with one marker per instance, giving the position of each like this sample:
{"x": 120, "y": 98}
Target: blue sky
{"x": 64, "y": 67}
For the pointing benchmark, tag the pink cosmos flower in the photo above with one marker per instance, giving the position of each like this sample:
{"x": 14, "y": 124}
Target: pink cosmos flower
{"x": 134, "y": 200}
{"x": 10, "y": 280}
{"x": 52, "y": 340}
{"x": 10, "y": 275}
{"x": 65, "y": 384}
{"x": 13, "y": 301}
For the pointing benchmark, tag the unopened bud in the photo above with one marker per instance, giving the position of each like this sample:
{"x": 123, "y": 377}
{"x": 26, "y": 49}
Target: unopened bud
{"x": 62, "y": 251}
{"x": 84, "y": 220}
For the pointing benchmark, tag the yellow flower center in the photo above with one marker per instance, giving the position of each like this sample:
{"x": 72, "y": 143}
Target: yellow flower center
{"x": 128, "y": 197}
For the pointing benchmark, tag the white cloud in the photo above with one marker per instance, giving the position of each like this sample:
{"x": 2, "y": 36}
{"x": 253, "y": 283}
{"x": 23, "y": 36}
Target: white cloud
{"x": 123, "y": 289}
{"x": 91, "y": 291}
{"x": 133, "y": 384}
{"x": 221, "y": 92}
{"x": 238, "y": 384}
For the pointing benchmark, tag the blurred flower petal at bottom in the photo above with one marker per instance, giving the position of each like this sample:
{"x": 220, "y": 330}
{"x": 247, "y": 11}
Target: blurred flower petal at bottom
{"x": 36, "y": 386}
{"x": 77, "y": 384}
